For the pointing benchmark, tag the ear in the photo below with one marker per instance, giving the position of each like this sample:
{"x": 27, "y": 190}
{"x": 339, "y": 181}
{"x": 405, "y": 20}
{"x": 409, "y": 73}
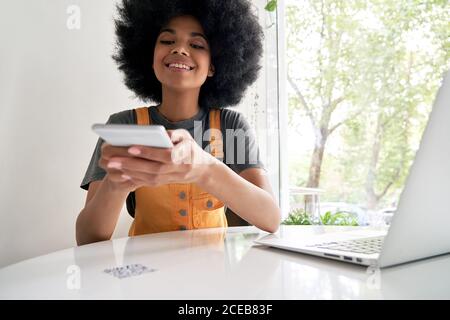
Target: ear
{"x": 211, "y": 71}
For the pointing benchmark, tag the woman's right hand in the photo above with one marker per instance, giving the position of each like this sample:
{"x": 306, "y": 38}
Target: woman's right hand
{"x": 115, "y": 177}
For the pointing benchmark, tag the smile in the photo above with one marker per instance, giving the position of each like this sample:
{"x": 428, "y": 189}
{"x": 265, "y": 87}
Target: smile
{"x": 179, "y": 67}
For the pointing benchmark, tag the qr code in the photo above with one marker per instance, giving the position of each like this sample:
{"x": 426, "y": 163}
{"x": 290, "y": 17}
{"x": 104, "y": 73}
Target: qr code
{"x": 128, "y": 271}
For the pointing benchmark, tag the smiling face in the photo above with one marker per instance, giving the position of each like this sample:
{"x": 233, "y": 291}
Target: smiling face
{"x": 182, "y": 58}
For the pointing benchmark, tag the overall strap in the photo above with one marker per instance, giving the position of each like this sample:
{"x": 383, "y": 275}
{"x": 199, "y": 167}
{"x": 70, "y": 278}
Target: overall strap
{"x": 142, "y": 116}
{"x": 216, "y": 133}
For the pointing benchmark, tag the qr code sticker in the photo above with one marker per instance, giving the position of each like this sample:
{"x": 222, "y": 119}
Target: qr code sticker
{"x": 128, "y": 271}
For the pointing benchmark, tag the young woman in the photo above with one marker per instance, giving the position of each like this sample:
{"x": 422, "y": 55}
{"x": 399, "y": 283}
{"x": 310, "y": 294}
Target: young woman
{"x": 193, "y": 58}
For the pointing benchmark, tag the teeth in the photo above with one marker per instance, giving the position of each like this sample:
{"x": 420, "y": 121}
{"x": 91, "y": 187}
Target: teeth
{"x": 179, "y": 66}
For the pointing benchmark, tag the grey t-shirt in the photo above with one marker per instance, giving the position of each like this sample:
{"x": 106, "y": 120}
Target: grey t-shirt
{"x": 240, "y": 148}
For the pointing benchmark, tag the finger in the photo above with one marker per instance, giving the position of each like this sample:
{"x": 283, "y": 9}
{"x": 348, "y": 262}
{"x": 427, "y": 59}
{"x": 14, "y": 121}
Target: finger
{"x": 158, "y": 179}
{"x": 142, "y": 165}
{"x": 182, "y": 153}
{"x": 155, "y": 154}
{"x": 110, "y": 164}
{"x": 125, "y": 181}
{"x": 109, "y": 151}
{"x": 117, "y": 176}
{"x": 147, "y": 179}
{"x": 179, "y": 135}
{"x": 103, "y": 163}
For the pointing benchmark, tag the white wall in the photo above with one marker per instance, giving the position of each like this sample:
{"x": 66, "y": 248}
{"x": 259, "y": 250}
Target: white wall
{"x": 54, "y": 83}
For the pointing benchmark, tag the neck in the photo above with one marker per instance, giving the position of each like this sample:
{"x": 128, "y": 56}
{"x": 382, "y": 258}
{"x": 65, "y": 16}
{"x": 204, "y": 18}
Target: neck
{"x": 179, "y": 105}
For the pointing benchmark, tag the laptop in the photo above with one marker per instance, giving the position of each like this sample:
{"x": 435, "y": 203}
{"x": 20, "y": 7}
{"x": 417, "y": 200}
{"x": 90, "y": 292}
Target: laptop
{"x": 419, "y": 229}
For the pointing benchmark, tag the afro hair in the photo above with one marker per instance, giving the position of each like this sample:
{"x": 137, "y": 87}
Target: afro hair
{"x": 234, "y": 36}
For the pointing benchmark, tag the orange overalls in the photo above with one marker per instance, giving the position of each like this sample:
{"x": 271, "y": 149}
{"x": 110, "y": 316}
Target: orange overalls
{"x": 178, "y": 206}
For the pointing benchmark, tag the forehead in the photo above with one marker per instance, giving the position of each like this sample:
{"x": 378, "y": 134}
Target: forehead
{"x": 185, "y": 23}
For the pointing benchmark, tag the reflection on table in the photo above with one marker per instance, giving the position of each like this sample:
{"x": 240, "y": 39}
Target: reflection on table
{"x": 215, "y": 264}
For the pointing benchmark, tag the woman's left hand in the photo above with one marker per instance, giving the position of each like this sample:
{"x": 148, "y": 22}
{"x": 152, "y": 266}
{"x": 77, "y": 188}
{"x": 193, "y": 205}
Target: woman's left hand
{"x": 186, "y": 162}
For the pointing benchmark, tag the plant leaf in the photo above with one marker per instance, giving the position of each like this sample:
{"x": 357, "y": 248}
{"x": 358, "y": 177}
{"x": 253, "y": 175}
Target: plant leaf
{"x": 271, "y": 5}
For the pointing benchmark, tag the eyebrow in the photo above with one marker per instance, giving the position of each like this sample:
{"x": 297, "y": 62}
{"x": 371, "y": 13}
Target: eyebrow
{"x": 193, "y": 34}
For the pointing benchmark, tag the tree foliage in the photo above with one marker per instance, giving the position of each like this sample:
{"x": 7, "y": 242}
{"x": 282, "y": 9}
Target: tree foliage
{"x": 364, "y": 73}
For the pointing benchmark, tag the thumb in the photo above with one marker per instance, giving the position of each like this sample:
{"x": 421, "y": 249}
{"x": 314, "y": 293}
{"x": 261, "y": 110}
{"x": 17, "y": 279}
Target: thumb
{"x": 176, "y": 136}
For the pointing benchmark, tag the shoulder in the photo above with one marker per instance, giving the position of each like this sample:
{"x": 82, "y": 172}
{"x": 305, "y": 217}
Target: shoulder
{"x": 233, "y": 119}
{"x": 123, "y": 117}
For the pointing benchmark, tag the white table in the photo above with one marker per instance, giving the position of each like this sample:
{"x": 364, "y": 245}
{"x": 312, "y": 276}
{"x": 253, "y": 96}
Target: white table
{"x": 216, "y": 264}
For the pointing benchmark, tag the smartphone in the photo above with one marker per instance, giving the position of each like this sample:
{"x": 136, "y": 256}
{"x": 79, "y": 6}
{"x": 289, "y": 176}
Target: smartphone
{"x": 125, "y": 135}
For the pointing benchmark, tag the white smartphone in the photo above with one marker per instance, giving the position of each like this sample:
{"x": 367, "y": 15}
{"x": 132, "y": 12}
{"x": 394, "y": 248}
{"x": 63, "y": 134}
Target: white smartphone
{"x": 125, "y": 135}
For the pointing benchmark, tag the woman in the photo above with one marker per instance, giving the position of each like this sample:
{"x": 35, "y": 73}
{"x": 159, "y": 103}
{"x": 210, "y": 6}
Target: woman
{"x": 192, "y": 57}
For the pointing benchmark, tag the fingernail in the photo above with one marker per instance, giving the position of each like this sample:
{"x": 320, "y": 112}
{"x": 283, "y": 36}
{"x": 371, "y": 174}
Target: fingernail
{"x": 134, "y": 151}
{"x": 124, "y": 176}
{"x": 114, "y": 165}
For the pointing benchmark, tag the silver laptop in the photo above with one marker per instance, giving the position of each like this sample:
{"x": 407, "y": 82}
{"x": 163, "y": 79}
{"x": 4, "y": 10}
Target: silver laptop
{"x": 420, "y": 228}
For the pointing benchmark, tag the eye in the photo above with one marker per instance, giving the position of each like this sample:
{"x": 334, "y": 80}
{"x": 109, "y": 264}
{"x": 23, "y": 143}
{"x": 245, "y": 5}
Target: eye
{"x": 197, "y": 46}
{"x": 166, "y": 42}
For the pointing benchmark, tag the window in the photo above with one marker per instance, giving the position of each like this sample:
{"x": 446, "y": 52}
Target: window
{"x": 358, "y": 80}
{"x": 260, "y": 104}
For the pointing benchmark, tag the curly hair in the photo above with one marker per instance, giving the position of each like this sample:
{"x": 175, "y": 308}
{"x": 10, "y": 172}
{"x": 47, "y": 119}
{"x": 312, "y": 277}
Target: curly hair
{"x": 234, "y": 36}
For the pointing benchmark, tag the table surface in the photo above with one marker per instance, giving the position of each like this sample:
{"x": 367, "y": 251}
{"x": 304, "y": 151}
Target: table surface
{"x": 216, "y": 264}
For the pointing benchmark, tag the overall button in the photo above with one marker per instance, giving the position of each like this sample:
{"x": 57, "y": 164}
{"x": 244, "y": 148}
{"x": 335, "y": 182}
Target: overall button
{"x": 209, "y": 204}
{"x": 183, "y": 212}
{"x": 182, "y": 228}
{"x": 182, "y": 195}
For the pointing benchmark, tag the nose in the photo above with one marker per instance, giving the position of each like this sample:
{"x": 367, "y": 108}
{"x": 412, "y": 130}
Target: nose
{"x": 179, "y": 50}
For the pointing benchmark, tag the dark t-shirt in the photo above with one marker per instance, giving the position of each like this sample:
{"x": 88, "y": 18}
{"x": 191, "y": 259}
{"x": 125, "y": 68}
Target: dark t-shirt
{"x": 240, "y": 148}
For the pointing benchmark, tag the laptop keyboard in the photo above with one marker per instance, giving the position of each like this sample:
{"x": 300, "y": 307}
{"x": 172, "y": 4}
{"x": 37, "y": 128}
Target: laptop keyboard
{"x": 364, "y": 246}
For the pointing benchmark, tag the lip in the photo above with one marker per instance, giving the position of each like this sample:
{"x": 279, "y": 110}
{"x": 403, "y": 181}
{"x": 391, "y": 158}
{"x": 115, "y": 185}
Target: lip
{"x": 179, "y": 62}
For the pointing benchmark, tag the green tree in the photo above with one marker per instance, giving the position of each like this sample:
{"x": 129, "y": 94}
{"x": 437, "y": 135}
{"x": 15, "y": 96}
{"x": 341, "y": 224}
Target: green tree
{"x": 321, "y": 28}
{"x": 365, "y": 74}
